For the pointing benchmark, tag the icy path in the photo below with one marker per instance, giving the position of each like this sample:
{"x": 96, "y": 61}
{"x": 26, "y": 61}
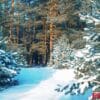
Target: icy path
{"x": 44, "y": 90}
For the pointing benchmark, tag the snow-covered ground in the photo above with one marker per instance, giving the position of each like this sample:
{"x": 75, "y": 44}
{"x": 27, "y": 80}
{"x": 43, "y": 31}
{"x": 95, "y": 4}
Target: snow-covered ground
{"x": 40, "y": 84}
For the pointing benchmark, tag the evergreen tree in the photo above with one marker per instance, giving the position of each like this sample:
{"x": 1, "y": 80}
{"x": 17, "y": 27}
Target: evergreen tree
{"x": 8, "y": 68}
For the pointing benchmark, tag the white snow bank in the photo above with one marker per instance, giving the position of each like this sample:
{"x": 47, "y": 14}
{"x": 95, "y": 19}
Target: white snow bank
{"x": 45, "y": 90}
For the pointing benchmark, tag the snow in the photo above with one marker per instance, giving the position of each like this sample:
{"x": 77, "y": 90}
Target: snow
{"x": 44, "y": 88}
{"x": 82, "y": 17}
{"x": 83, "y": 87}
{"x": 86, "y": 29}
{"x": 40, "y": 84}
{"x": 83, "y": 52}
{"x": 79, "y": 54}
{"x": 9, "y": 71}
{"x": 87, "y": 38}
{"x": 34, "y": 75}
{"x": 2, "y": 51}
{"x": 15, "y": 53}
{"x": 89, "y": 19}
{"x": 94, "y": 88}
{"x": 86, "y": 96}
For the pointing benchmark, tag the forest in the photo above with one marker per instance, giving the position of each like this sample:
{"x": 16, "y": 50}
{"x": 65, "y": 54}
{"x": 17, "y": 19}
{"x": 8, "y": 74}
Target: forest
{"x": 56, "y": 36}
{"x": 35, "y": 26}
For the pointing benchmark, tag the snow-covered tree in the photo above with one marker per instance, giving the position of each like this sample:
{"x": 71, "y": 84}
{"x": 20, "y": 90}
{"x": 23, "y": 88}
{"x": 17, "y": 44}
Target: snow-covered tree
{"x": 10, "y": 64}
{"x": 86, "y": 60}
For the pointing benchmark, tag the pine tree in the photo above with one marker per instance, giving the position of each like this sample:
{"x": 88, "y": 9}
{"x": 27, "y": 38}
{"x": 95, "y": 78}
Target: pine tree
{"x": 8, "y": 68}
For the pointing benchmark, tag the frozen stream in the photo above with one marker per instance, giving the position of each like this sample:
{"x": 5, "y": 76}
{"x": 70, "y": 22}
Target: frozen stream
{"x": 39, "y": 84}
